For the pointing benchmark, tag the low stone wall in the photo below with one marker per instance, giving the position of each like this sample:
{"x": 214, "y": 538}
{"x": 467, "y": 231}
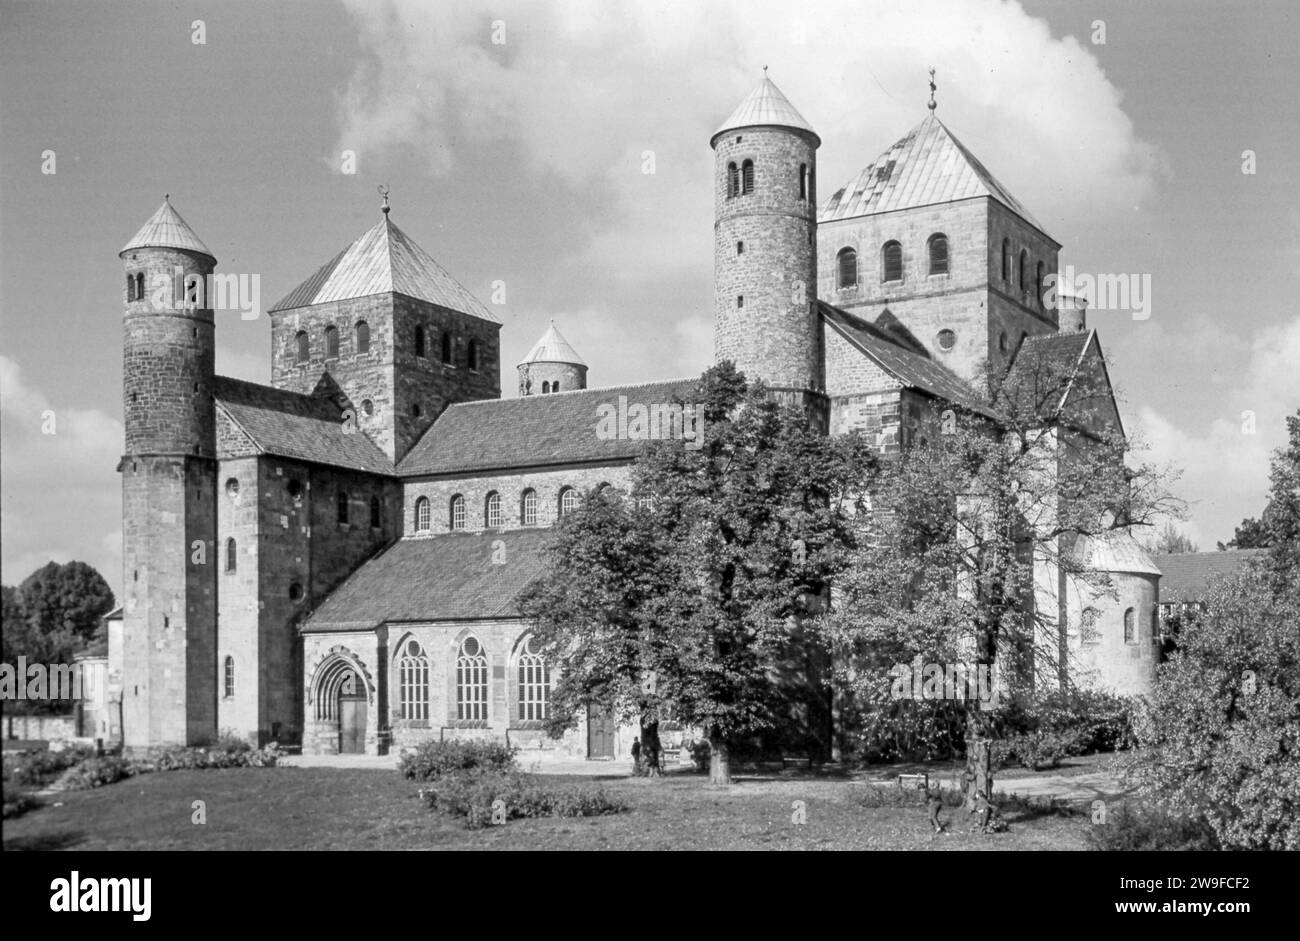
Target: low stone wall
{"x": 42, "y": 728}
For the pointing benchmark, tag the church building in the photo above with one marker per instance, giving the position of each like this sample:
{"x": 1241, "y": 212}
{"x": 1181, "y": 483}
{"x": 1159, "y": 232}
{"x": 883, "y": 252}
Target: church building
{"x": 333, "y": 560}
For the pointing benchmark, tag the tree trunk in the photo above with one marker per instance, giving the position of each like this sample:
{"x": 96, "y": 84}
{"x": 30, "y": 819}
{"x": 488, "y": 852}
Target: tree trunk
{"x": 979, "y": 774}
{"x": 651, "y": 748}
{"x": 719, "y": 760}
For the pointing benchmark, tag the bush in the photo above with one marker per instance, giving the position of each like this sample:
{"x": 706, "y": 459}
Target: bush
{"x": 96, "y": 772}
{"x": 473, "y": 792}
{"x": 1035, "y": 750}
{"x": 224, "y": 754}
{"x": 1150, "y": 828}
{"x": 432, "y": 760}
{"x": 18, "y": 803}
{"x": 37, "y": 768}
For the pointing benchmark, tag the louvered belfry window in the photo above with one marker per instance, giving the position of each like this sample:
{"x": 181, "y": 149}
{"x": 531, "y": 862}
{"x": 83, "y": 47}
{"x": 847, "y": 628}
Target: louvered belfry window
{"x": 893, "y": 259}
{"x": 747, "y": 177}
{"x": 733, "y": 181}
{"x": 847, "y": 262}
{"x": 938, "y": 254}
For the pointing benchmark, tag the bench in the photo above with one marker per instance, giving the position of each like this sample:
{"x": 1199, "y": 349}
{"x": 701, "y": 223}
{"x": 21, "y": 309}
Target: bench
{"x": 796, "y": 761}
{"x": 920, "y": 782}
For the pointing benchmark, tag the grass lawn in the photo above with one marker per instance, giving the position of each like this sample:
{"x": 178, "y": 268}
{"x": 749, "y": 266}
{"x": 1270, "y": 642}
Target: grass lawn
{"x": 341, "y": 809}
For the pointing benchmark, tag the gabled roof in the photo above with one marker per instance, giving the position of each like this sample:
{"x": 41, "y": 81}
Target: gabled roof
{"x": 533, "y": 430}
{"x": 765, "y": 106}
{"x": 553, "y": 348}
{"x": 927, "y": 166}
{"x": 301, "y": 427}
{"x": 1186, "y": 576}
{"x": 449, "y": 577}
{"x": 907, "y": 366}
{"x": 384, "y": 260}
{"x": 166, "y": 229}
{"x": 1043, "y": 361}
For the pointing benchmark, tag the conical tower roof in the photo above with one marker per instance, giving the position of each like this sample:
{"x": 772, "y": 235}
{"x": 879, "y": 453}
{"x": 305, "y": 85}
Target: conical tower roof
{"x": 765, "y": 106}
{"x": 166, "y": 229}
{"x": 553, "y": 348}
{"x": 385, "y": 260}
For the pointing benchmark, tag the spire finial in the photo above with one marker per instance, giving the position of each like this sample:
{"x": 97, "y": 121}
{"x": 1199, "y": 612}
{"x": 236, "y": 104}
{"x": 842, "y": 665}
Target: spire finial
{"x": 167, "y": 197}
{"x": 764, "y": 71}
{"x": 933, "y": 88}
{"x": 383, "y": 191}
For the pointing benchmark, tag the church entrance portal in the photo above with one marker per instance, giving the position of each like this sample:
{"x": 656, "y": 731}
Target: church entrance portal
{"x": 352, "y": 720}
{"x": 600, "y": 733}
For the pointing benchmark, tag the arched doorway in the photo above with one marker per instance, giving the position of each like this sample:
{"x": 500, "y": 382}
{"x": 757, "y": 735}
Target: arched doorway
{"x": 352, "y": 716}
{"x": 341, "y": 693}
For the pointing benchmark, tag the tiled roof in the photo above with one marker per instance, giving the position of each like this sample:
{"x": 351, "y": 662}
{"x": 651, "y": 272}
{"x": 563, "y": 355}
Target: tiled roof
{"x": 1185, "y": 576}
{"x": 552, "y": 348}
{"x": 384, "y": 260}
{"x": 532, "y": 430}
{"x": 166, "y": 229}
{"x": 301, "y": 427}
{"x": 909, "y": 367}
{"x": 765, "y": 106}
{"x": 927, "y": 166}
{"x": 1044, "y": 366}
{"x": 441, "y": 578}
{"x": 1115, "y": 551}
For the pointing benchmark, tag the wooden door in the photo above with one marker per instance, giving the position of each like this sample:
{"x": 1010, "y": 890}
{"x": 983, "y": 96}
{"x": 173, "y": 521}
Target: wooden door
{"x": 352, "y": 725}
{"x": 600, "y": 733}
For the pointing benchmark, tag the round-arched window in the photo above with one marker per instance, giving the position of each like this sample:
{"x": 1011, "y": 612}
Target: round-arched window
{"x": 232, "y": 488}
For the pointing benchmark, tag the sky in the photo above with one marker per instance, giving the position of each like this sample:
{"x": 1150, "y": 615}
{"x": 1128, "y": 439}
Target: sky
{"x": 513, "y": 138}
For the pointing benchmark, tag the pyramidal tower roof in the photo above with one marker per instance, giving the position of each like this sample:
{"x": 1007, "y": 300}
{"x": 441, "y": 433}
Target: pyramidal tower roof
{"x": 385, "y": 260}
{"x": 929, "y": 165}
{"x": 166, "y": 229}
{"x": 765, "y": 106}
{"x": 552, "y": 348}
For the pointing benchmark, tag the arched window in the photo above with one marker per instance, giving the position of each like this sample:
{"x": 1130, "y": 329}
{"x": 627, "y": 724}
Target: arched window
{"x": 422, "y": 515}
{"x": 139, "y": 287}
{"x": 492, "y": 511}
{"x": 446, "y": 349}
{"x": 846, "y": 263}
{"x": 555, "y": 386}
{"x": 413, "y": 682}
{"x": 471, "y": 681}
{"x": 893, "y": 261}
{"x": 363, "y": 337}
{"x": 534, "y": 683}
{"x": 1006, "y": 260}
{"x": 331, "y": 343}
{"x": 457, "y": 512}
{"x": 803, "y": 181}
{"x": 343, "y": 506}
{"x": 733, "y": 180}
{"x": 471, "y": 355}
{"x": 1130, "y": 627}
{"x": 568, "y": 501}
{"x": 419, "y": 341}
{"x": 376, "y": 516}
{"x": 229, "y": 684}
{"x": 1038, "y": 284}
{"x": 546, "y": 388}
{"x": 130, "y": 287}
{"x": 1088, "y": 626}
{"x": 938, "y": 253}
{"x": 232, "y": 555}
{"x": 1020, "y": 275}
{"x": 747, "y": 177}
{"x": 528, "y": 508}
{"x": 304, "y": 347}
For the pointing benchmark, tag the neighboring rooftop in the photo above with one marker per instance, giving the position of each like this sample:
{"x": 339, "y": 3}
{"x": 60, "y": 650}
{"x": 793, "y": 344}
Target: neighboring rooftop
{"x": 166, "y": 229}
{"x": 449, "y": 577}
{"x": 907, "y": 366}
{"x": 765, "y": 106}
{"x": 301, "y": 427}
{"x": 383, "y": 260}
{"x": 553, "y": 348}
{"x": 927, "y": 166}
{"x": 1186, "y": 576}
{"x": 533, "y": 430}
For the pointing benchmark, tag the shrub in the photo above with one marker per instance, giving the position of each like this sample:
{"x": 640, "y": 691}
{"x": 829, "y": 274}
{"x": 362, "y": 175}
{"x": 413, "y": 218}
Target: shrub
{"x": 432, "y": 760}
{"x": 1035, "y": 750}
{"x": 18, "y": 803}
{"x": 223, "y": 755}
{"x": 96, "y": 772}
{"x": 36, "y": 768}
{"x": 473, "y": 792}
{"x": 1140, "y": 827}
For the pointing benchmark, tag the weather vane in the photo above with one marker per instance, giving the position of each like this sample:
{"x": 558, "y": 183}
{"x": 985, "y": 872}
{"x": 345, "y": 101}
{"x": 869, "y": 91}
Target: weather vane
{"x": 933, "y": 88}
{"x": 383, "y": 191}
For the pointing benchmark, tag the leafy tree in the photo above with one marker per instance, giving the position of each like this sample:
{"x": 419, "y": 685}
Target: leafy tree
{"x": 1171, "y": 541}
{"x": 950, "y": 566}
{"x": 63, "y": 605}
{"x": 686, "y": 601}
{"x": 1251, "y": 534}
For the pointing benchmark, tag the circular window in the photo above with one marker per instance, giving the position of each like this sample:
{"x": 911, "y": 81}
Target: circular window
{"x": 947, "y": 339}
{"x": 295, "y": 488}
{"x": 470, "y": 647}
{"x": 1002, "y": 342}
{"x": 295, "y": 592}
{"x": 232, "y": 488}
{"x": 368, "y": 406}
